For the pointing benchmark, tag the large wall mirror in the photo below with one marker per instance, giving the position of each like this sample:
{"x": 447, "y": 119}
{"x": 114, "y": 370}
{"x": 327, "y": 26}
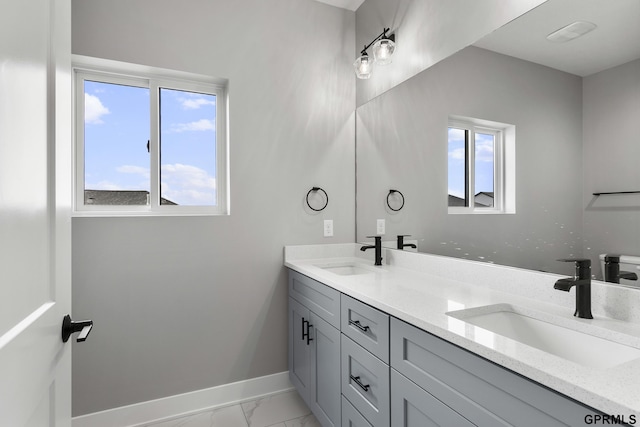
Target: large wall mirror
{"x": 569, "y": 112}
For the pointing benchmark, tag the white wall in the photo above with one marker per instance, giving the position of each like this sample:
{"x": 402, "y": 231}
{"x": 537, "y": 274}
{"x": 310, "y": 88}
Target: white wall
{"x": 611, "y": 161}
{"x": 187, "y": 303}
{"x": 401, "y": 144}
{"x": 426, "y": 32}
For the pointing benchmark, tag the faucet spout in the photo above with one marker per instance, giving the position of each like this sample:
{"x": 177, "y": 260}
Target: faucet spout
{"x": 569, "y": 282}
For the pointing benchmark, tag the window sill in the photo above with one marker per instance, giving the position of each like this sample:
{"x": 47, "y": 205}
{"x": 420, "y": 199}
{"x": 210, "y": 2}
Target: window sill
{"x": 132, "y": 214}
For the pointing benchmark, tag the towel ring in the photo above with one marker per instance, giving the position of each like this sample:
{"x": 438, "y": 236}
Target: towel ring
{"x": 315, "y": 189}
{"x": 401, "y": 195}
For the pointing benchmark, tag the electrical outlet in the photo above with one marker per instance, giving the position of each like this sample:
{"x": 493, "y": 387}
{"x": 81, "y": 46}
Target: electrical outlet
{"x": 328, "y": 228}
{"x": 380, "y": 227}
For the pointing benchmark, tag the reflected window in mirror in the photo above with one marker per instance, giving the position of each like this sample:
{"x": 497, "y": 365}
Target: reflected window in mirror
{"x": 479, "y": 167}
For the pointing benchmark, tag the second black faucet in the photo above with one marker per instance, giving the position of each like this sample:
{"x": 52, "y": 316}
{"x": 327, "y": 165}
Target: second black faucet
{"x": 377, "y": 246}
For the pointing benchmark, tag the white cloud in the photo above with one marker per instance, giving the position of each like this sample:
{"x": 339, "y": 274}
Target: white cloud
{"x": 457, "y": 154}
{"x": 195, "y": 103}
{"x": 484, "y": 151}
{"x": 93, "y": 109}
{"x": 133, "y": 170}
{"x": 188, "y": 185}
{"x": 200, "y": 125}
{"x": 103, "y": 185}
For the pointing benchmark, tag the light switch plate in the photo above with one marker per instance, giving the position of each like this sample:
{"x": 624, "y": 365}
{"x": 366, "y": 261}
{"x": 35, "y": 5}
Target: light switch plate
{"x": 380, "y": 227}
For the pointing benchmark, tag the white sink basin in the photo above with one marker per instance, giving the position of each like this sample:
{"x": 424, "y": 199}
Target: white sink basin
{"x": 542, "y": 332}
{"x": 348, "y": 268}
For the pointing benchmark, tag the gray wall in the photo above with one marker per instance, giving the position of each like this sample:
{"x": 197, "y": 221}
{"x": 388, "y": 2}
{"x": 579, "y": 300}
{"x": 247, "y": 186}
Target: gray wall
{"x": 401, "y": 144}
{"x": 186, "y": 303}
{"x": 611, "y": 113}
{"x": 426, "y": 32}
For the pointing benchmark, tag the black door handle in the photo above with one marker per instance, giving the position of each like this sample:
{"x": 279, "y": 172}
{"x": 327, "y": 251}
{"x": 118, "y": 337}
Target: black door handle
{"x": 70, "y": 327}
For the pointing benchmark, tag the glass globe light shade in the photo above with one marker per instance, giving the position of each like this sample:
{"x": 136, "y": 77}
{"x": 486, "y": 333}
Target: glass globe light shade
{"x": 383, "y": 50}
{"x": 363, "y": 67}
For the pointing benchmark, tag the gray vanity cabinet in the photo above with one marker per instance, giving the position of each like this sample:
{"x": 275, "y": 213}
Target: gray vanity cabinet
{"x": 356, "y": 366}
{"x": 314, "y": 346}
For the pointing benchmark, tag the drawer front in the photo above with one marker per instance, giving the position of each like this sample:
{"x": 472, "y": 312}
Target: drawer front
{"x": 366, "y": 325}
{"x": 412, "y": 406}
{"x": 319, "y": 298}
{"x": 476, "y": 388}
{"x": 365, "y": 382}
{"x": 351, "y": 417}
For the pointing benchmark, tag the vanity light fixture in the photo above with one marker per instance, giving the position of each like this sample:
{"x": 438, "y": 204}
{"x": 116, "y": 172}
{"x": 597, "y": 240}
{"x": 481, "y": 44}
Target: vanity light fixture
{"x": 571, "y": 31}
{"x": 383, "y": 48}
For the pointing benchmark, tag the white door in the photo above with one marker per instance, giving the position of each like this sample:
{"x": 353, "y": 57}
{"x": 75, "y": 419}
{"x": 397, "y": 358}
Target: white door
{"x": 35, "y": 236}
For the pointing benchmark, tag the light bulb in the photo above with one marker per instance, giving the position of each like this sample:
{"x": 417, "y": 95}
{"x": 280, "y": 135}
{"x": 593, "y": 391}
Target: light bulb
{"x": 363, "y": 66}
{"x": 383, "y": 50}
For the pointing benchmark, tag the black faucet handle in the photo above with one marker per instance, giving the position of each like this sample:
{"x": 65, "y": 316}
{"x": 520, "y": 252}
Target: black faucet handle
{"x": 583, "y": 266}
{"x": 375, "y": 237}
{"x": 612, "y": 258}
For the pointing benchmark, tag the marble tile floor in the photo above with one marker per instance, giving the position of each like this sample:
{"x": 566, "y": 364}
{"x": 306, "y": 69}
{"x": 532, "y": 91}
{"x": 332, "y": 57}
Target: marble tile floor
{"x": 278, "y": 410}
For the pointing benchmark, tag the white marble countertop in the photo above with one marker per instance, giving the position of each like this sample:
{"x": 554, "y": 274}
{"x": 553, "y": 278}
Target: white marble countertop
{"x": 420, "y": 289}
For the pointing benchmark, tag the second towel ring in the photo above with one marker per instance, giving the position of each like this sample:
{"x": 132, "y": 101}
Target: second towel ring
{"x": 314, "y": 189}
{"x": 401, "y": 195}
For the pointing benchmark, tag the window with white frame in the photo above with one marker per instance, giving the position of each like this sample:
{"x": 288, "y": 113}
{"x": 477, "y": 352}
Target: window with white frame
{"x": 149, "y": 141}
{"x": 481, "y": 163}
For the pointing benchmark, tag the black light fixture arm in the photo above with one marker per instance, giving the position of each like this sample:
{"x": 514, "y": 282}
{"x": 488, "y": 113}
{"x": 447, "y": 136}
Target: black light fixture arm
{"x": 383, "y": 35}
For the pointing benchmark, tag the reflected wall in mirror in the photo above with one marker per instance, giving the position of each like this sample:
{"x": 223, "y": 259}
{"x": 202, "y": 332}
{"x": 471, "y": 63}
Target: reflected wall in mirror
{"x": 574, "y": 107}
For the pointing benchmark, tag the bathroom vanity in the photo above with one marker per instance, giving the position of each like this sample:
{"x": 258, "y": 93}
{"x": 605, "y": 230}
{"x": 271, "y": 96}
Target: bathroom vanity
{"x": 412, "y": 343}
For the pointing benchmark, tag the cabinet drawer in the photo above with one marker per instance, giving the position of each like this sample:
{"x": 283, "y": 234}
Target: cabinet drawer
{"x": 412, "y": 406}
{"x": 351, "y": 417}
{"x": 319, "y": 298}
{"x": 367, "y": 326}
{"x": 478, "y": 389}
{"x": 365, "y": 382}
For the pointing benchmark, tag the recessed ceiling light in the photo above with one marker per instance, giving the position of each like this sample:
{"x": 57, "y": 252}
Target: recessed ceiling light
{"x": 571, "y": 31}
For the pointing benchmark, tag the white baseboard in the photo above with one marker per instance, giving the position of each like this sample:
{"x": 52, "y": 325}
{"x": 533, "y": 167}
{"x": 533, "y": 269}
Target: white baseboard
{"x": 187, "y": 403}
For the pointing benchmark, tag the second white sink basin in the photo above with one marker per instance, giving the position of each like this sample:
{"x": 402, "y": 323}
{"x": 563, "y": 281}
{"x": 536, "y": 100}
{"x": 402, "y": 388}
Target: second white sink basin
{"x": 523, "y": 326}
{"x": 348, "y": 268}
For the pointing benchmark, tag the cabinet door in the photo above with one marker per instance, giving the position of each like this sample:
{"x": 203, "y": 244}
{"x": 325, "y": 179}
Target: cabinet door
{"x": 412, "y": 406}
{"x": 324, "y": 393}
{"x": 299, "y": 349}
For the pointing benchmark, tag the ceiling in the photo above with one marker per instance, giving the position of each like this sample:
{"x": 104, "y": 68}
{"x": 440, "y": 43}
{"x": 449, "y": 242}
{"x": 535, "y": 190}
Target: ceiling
{"x": 345, "y": 4}
{"x": 615, "y": 41}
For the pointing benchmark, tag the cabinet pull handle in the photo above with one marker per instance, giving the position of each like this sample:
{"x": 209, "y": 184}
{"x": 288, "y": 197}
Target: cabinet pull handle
{"x": 356, "y": 380}
{"x": 306, "y": 334}
{"x": 309, "y": 339}
{"x": 357, "y": 324}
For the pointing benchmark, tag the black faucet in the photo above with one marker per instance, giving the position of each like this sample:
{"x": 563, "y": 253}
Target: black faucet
{"x": 612, "y": 271}
{"x": 582, "y": 282}
{"x": 377, "y": 247}
{"x": 401, "y": 244}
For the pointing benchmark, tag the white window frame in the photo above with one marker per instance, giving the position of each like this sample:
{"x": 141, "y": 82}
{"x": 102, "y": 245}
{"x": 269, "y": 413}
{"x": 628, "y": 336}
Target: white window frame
{"x": 503, "y": 166}
{"x": 107, "y": 71}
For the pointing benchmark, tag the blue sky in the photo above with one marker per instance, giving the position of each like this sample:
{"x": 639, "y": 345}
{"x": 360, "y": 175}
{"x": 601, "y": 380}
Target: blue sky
{"x": 117, "y": 129}
{"x": 484, "y": 160}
